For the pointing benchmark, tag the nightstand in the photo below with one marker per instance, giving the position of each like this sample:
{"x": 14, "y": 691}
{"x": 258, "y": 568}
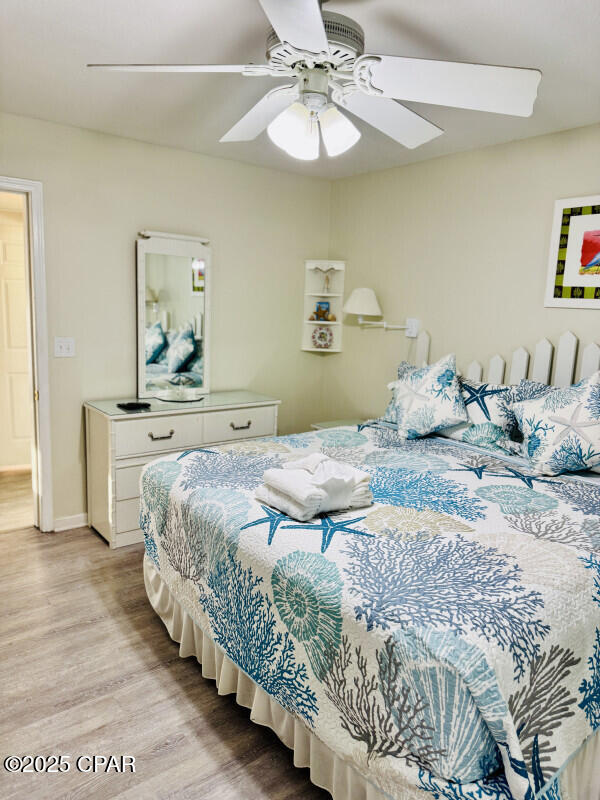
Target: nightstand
{"x": 336, "y": 423}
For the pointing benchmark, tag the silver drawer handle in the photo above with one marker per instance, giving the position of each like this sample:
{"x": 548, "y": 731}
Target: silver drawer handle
{"x": 245, "y": 427}
{"x": 158, "y": 438}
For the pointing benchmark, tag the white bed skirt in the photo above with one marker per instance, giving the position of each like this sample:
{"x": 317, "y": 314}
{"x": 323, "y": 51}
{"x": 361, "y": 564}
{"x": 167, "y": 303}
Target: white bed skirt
{"x": 580, "y": 779}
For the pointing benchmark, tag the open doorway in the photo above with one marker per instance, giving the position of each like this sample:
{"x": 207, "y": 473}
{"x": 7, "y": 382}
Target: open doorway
{"x": 17, "y": 433}
{"x": 23, "y": 204}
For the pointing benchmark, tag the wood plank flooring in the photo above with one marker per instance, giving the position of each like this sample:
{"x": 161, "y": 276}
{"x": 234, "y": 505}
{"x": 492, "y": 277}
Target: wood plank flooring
{"x": 87, "y": 667}
{"x": 16, "y": 500}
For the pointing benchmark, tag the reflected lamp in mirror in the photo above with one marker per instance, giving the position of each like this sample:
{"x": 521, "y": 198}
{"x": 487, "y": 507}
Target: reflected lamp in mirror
{"x": 363, "y": 303}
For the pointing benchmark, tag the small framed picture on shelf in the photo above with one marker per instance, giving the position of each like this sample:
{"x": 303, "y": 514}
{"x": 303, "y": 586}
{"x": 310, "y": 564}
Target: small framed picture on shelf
{"x": 322, "y": 309}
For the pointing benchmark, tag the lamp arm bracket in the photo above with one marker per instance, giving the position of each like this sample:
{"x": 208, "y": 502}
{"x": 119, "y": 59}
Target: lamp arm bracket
{"x": 412, "y": 326}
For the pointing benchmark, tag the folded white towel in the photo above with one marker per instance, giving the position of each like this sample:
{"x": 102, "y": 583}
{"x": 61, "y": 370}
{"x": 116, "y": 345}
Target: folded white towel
{"x": 312, "y": 484}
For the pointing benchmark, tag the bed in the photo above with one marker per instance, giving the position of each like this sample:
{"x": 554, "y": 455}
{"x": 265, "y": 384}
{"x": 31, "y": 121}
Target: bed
{"x": 444, "y": 642}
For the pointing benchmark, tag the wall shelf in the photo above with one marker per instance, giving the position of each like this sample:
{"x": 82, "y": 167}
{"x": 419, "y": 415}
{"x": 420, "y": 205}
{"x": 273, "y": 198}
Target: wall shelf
{"x": 323, "y": 282}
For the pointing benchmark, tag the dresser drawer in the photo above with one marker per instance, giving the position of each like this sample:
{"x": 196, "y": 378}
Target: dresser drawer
{"x": 243, "y": 423}
{"x": 127, "y": 515}
{"x": 127, "y": 482}
{"x": 157, "y": 434}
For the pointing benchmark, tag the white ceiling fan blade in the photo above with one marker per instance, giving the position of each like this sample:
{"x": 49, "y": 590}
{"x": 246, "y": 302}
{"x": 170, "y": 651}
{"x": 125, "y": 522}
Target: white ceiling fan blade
{"x": 298, "y": 22}
{"x": 175, "y": 67}
{"x": 392, "y": 118}
{"x": 260, "y": 115}
{"x": 501, "y": 90}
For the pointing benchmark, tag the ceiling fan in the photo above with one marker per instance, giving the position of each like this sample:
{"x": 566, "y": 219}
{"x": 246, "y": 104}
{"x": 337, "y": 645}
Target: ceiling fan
{"x": 323, "y": 55}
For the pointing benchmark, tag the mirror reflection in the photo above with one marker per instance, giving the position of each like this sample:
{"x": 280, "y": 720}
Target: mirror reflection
{"x": 174, "y": 325}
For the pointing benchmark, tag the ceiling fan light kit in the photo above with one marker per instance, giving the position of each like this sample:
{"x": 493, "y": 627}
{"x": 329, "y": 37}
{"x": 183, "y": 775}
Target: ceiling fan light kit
{"x": 296, "y": 129}
{"x": 323, "y": 53}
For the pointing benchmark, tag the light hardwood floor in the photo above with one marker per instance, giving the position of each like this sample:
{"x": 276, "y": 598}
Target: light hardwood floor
{"x": 88, "y": 668}
{"x": 16, "y": 500}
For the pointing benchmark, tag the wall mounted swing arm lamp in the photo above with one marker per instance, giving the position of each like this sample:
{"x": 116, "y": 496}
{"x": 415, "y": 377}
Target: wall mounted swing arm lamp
{"x": 363, "y": 302}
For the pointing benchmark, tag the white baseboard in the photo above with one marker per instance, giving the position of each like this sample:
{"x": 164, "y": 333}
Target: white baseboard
{"x": 17, "y": 468}
{"x": 66, "y": 523}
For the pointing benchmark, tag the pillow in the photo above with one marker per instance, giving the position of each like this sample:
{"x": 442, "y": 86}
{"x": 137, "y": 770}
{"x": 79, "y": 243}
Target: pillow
{"x": 561, "y": 427}
{"x": 389, "y": 415}
{"x": 181, "y": 349}
{"x": 163, "y": 357}
{"x": 490, "y": 417}
{"x": 528, "y": 390}
{"x": 428, "y": 399}
{"x": 154, "y": 342}
{"x": 196, "y": 365}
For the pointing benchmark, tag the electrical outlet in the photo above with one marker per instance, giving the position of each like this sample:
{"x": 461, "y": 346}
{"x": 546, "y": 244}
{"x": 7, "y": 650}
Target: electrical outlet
{"x": 412, "y": 328}
{"x": 64, "y": 347}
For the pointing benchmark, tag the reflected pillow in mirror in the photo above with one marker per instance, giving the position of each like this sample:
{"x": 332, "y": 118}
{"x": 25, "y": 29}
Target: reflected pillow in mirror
{"x": 181, "y": 349}
{"x": 163, "y": 357}
{"x": 154, "y": 342}
{"x": 196, "y": 365}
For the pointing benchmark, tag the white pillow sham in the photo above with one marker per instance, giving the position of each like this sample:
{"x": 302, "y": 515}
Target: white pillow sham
{"x": 428, "y": 399}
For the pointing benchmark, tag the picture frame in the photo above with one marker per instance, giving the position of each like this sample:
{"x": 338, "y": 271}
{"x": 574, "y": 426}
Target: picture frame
{"x": 573, "y": 279}
{"x": 198, "y": 269}
{"x": 322, "y": 309}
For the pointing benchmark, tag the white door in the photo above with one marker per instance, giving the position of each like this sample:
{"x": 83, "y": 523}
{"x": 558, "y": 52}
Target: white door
{"x": 16, "y": 407}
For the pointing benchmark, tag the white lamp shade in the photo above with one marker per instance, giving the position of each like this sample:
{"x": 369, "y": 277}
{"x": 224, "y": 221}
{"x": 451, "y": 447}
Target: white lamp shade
{"x": 339, "y": 134}
{"x": 151, "y": 296}
{"x": 364, "y": 303}
{"x": 296, "y": 132}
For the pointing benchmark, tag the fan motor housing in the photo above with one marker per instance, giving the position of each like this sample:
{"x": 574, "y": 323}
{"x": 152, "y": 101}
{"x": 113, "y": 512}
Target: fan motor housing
{"x": 346, "y": 43}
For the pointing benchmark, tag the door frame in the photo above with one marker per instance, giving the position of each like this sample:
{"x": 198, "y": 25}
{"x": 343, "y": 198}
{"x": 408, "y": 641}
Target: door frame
{"x": 41, "y": 466}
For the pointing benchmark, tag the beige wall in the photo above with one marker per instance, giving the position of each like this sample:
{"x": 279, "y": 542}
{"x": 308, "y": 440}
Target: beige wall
{"x": 99, "y": 191}
{"x": 461, "y": 243}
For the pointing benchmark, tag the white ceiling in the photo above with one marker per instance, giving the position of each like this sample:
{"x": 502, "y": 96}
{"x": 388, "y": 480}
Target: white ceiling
{"x": 45, "y": 44}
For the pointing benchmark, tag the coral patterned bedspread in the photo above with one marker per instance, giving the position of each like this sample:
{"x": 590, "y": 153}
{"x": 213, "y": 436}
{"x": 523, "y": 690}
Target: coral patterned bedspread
{"x": 445, "y": 640}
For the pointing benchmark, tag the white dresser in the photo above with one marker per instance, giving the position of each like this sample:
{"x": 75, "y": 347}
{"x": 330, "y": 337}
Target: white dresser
{"x": 120, "y": 443}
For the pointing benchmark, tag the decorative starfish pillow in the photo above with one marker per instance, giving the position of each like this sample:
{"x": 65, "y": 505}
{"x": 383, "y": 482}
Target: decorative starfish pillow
{"x": 427, "y": 400}
{"x": 490, "y": 417}
{"x": 561, "y": 429}
{"x": 389, "y": 415}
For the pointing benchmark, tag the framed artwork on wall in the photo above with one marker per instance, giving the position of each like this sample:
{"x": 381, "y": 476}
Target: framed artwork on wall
{"x": 574, "y": 260}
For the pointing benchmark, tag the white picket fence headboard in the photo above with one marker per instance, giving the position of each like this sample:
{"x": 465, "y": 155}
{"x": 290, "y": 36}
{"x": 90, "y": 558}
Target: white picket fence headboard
{"x": 521, "y": 361}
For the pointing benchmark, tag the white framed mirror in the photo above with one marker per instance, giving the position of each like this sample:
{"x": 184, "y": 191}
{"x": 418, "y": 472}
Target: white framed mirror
{"x": 173, "y": 316}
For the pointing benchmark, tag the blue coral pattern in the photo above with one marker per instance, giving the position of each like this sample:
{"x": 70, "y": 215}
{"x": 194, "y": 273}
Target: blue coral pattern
{"x": 416, "y": 637}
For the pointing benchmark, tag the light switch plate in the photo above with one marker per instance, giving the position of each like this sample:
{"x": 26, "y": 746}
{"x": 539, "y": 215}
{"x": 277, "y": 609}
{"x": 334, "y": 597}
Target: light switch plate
{"x": 64, "y": 347}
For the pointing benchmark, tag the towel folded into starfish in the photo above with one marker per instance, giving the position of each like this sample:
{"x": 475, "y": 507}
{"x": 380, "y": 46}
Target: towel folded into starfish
{"x": 308, "y": 486}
